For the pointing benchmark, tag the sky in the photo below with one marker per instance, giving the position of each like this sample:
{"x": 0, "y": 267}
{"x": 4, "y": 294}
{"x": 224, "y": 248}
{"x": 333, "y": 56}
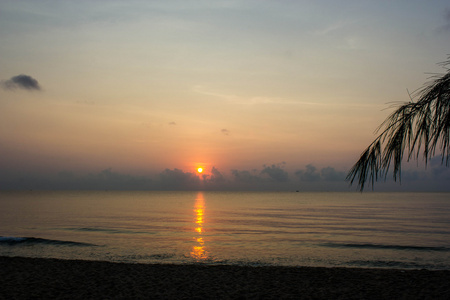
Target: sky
{"x": 262, "y": 94}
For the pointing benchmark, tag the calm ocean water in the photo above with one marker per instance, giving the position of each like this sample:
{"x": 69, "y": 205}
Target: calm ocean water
{"x": 394, "y": 230}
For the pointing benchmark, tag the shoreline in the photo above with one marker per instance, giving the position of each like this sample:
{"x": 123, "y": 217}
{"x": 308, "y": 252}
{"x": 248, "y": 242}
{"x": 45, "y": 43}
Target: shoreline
{"x": 24, "y": 278}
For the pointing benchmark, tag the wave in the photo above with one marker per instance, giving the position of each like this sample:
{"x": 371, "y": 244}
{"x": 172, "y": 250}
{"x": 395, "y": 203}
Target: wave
{"x": 106, "y": 230}
{"x": 11, "y": 241}
{"x": 381, "y": 246}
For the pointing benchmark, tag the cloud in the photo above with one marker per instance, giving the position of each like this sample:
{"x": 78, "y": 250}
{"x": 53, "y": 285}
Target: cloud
{"x": 172, "y": 123}
{"x": 68, "y": 180}
{"x": 310, "y": 174}
{"x": 22, "y": 81}
{"x": 176, "y": 179}
{"x": 269, "y": 178}
{"x": 216, "y": 176}
{"x": 410, "y": 175}
{"x": 276, "y": 173}
{"x": 107, "y": 179}
{"x": 225, "y": 131}
{"x": 439, "y": 169}
{"x": 330, "y": 174}
{"x": 245, "y": 176}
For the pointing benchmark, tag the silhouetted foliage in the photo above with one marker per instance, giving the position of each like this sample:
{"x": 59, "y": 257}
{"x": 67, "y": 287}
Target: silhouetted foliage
{"x": 414, "y": 128}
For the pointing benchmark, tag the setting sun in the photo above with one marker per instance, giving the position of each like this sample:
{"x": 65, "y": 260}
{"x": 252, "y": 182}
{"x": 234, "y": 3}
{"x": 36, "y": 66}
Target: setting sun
{"x": 200, "y": 170}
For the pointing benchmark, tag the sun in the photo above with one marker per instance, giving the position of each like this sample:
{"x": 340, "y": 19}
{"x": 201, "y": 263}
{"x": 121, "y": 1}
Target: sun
{"x": 200, "y": 170}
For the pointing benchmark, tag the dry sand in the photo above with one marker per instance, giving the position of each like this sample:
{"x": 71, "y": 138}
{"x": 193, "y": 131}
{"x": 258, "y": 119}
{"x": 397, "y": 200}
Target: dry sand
{"x": 26, "y": 278}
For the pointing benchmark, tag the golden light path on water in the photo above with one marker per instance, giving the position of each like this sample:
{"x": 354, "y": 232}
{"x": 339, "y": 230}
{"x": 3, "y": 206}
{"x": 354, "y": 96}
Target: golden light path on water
{"x": 198, "y": 250}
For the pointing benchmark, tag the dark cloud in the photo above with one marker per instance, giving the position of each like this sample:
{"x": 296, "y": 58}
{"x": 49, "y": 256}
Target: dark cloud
{"x": 215, "y": 180}
{"x": 177, "y": 179}
{"x": 309, "y": 174}
{"x": 24, "y": 82}
{"x": 410, "y": 175}
{"x": 312, "y": 174}
{"x": 216, "y": 176}
{"x": 436, "y": 170}
{"x": 245, "y": 176}
{"x": 172, "y": 123}
{"x": 276, "y": 173}
{"x": 225, "y": 131}
{"x": 270, "y": 178}
{"x": 67, "y": 180}
{"x": 107, "y": 179}
{"x": 439, "y": 170}
{"x": 330, "y": 174}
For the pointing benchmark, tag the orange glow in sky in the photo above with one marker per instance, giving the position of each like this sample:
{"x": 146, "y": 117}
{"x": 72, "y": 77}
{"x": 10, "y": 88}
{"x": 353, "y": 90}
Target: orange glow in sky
{"x": 305, "y": 84}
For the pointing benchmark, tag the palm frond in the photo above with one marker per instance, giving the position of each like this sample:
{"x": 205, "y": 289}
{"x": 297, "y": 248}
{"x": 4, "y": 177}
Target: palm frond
{"x": 421, "y": 126}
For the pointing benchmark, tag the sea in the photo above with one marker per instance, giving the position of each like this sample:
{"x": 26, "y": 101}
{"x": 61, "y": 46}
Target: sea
{"x": 320, "y": 229}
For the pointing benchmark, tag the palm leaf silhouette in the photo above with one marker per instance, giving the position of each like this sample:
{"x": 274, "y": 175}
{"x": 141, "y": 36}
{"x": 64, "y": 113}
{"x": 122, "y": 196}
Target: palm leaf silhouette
{"x": 414, "y": 128}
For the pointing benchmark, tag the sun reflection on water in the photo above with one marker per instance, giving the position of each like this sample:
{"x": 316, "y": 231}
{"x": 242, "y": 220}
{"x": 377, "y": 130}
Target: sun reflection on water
{"x": 198, "y": 250}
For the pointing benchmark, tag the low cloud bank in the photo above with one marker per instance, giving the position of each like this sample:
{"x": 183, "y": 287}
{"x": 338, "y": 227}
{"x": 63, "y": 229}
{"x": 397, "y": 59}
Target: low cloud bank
{"x": 269, "y": 178}
{"x": 312, "y": 174}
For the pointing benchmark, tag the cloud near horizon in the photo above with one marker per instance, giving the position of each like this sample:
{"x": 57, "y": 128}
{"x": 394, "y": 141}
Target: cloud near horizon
{"x": 325, "y": 174}
{"x": 276, "y": 172}
{"x": 178, "y": 180}
{"x": 24, "y": 82}
{"x": 270, "y": 178}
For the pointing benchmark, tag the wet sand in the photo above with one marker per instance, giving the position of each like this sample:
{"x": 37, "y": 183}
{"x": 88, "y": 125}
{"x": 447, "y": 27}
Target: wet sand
{"x": 25, "y": 278}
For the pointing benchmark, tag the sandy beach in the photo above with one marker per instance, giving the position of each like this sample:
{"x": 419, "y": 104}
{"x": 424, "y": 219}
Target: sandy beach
{"x": 25, "y": 278}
